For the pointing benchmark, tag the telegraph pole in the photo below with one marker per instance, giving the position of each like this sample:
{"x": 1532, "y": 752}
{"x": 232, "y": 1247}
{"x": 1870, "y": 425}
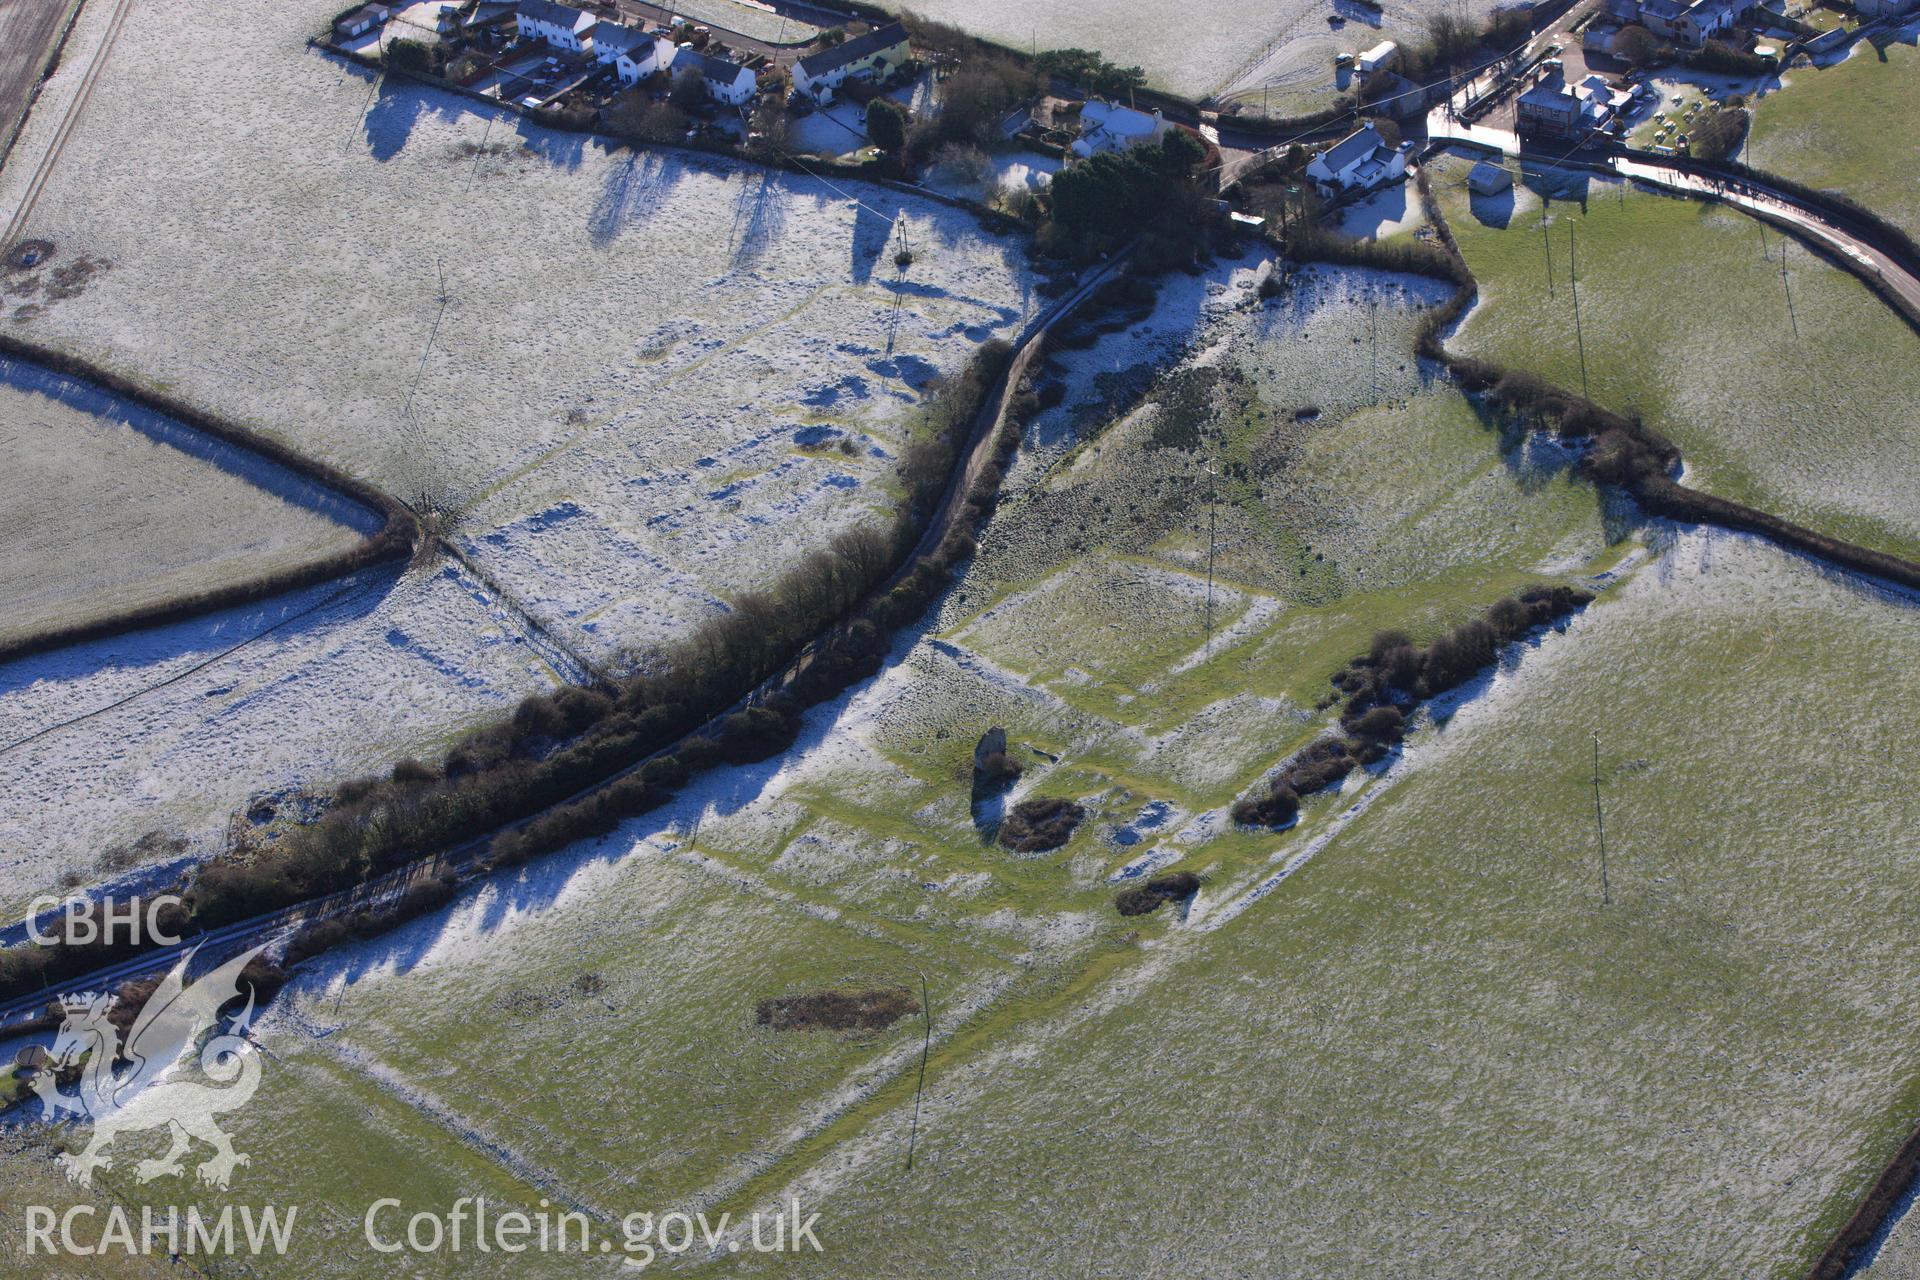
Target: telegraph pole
{"x": 1373, "y": 335}
{"x": 1600, "y": 826}
{"x": 926, "y": 1046}
{"x": 1212, "y": 530}
{"x": 1788, "y": 288}
{"x": 1573, "y": 281}
{"x": 1546, "y": 243}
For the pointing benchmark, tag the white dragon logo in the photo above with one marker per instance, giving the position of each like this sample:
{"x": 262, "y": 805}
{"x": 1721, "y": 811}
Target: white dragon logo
{"x": 166, "y": 1030}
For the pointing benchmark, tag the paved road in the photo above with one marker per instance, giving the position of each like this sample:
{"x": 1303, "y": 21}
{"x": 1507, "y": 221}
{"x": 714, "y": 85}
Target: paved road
{"x": 1756, "y": 197}
{"x": 29, "y": 30}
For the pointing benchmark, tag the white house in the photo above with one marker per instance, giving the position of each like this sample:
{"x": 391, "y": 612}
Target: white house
{"x": 639, "y": 61}
{"x": 1377, "y": 57}
{"x": 1360, "y": 161}
{"x": 1107, "y": 126}
{"x": 727, "y": 82}
{"x": 611, "y": 39}
{"x": 875, "y": 55}
{"x": 360, "y": 21}
{"x": 560, "y": 25}
{"x": 633, "y": 53}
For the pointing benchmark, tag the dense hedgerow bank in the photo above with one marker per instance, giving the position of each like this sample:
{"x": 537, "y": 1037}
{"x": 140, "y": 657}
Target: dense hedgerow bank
{"x": 1141, "y": 899}
{"x": 514, "y": 778}
{"x": 1039, "y": 825}
{"x": 1393, "y": 675}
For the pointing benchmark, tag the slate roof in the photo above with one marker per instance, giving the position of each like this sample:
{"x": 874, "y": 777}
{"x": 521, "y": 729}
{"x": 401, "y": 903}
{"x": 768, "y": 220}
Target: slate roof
{"x": 563, "y": 16}
{"x": 617, "y": 36}
{"x": 1361, "y": 142}
{"x": 710, "y": 67}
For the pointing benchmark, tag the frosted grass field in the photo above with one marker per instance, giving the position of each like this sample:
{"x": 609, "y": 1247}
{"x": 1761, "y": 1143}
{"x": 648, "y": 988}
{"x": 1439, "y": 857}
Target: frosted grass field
{"x": 1210, "y": 48}
{"x": 174, "y": 728}
{"x": 1688, "y": 324}
{"x": 581, "y": 1030}
{"x": 1433, "y": 1051}
{"x": 747, "y": 19}
{"x": 1850, "y": 127}
{"x": 464, "y": 1052}
{"x": 1897, "y": 1256}
{"x": 634, "y": 349}
{"x": 109, "y": 508}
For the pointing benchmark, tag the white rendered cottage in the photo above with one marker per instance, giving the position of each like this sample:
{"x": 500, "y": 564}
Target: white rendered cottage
{"x": 875, "y": 55}
{"x": 727, "y": 82}
{"x": 560, "y": 25}
{"x": 634, "y": 54}
{"x": 1360, "y": 161}
{"x": 1107, "y": 126}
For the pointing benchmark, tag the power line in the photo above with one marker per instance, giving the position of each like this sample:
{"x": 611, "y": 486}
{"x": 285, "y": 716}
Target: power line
{"x": 1354, "y": 114}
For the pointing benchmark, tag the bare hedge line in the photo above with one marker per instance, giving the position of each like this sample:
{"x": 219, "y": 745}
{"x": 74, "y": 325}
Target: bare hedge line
{"x": 395, "y": 539}
{"x": 1625, "y": 451}
{"x": 573, "y": 764}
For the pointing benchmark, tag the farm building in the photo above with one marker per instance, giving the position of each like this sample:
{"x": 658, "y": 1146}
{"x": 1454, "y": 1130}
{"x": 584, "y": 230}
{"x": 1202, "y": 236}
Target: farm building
{"x": 1107, "y": 126}
{"x": 1360, "y": 161}
{"x": 875, "y": 55}
{"x": 562, "y": 26}
{"x": 1377, "y": 57}
{"x": 1489, "y": 179}
{"x": 360, "y": 21}
{"x": 727, "y": 82}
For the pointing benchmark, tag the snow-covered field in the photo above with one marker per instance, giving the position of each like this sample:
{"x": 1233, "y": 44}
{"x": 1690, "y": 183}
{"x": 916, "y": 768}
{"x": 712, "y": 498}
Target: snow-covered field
{"x": 610, "y": 360}
{"x": 174, "y": 728}
{"x": 106, "y": 507}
